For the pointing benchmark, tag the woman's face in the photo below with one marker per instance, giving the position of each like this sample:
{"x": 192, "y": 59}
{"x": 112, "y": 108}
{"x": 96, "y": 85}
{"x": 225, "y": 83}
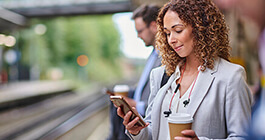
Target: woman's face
{"x": 179, "y": 35}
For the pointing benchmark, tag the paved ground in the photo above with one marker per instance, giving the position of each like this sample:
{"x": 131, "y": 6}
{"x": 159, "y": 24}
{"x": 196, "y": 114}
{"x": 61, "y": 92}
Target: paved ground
{"x": 102, "y": 131}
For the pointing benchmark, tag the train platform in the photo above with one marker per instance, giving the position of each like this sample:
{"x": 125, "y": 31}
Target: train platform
{"x": 18, "y": 93}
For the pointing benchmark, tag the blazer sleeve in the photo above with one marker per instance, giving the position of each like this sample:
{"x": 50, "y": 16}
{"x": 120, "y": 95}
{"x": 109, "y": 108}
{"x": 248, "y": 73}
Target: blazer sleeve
{"x": 238, "y": 105}
{"x": 155, "y": 80}
{"x": 238, "y": 100}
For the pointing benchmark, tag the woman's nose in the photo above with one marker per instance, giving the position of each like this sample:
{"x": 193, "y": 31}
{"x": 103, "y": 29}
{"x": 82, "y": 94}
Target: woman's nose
{"x": 172, "y": 39}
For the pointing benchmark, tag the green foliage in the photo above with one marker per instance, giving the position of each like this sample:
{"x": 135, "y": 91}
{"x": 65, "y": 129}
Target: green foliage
{"x": 67, "y": 38}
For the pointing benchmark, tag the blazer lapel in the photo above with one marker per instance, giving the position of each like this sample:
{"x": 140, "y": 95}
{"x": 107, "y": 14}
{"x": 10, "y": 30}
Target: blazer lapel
{"x": 157, "y": 106}
{"x": 201, "y": 88}
{"x": 157, "y": 62}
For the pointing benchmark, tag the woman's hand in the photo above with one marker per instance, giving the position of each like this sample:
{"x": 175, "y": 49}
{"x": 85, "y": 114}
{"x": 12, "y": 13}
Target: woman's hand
{"x": 189, "y": 135}
{"x": 130, "y": 125}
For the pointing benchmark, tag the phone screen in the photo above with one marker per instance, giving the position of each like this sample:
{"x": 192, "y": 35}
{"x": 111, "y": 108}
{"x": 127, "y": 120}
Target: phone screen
{"x": 120, "y": 102}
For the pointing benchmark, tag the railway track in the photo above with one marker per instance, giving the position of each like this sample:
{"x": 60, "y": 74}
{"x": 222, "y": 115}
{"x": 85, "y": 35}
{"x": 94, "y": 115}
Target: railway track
{"x": 54, "y": 118}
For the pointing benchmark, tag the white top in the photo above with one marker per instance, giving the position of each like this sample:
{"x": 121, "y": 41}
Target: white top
{"x": 177, "y": 105}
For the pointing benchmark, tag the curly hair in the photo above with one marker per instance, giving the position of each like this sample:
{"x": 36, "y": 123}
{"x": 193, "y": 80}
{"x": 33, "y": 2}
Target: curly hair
{"x": 209, "y": 30}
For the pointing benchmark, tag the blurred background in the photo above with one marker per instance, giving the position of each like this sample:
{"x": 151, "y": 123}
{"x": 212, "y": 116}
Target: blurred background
{"x": 57, "y": 56}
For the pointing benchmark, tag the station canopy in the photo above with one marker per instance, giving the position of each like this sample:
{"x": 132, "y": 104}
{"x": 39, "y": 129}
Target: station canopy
{"x": 17, "y": 12}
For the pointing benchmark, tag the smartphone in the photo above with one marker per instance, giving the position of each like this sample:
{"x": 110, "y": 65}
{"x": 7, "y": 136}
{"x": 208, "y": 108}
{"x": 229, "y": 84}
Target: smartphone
{"x": 120, "y": 102}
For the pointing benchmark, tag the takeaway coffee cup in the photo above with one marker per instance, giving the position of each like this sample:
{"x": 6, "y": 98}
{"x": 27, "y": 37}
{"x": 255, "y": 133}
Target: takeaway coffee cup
{"x": 177, "y": 123}
{"x": 121, "y": 90}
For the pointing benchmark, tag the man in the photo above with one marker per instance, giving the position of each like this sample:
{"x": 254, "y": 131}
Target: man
{"x": 255, "y": 11}
{"x": 145, "y": 24}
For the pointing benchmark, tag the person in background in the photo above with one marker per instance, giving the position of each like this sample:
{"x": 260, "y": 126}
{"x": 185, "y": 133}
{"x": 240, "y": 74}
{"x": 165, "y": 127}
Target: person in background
{"x": 145, "y": 24}
{"x": 254, "y": 10}
{"x": 193, "y": 41}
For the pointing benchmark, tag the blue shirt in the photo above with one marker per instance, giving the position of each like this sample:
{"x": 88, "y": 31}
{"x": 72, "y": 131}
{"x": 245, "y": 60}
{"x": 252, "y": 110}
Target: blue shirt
{"x": 140, "y": 105}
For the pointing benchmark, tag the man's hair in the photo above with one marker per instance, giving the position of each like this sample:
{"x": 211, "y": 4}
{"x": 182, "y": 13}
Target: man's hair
{"x": 149, "y": 13}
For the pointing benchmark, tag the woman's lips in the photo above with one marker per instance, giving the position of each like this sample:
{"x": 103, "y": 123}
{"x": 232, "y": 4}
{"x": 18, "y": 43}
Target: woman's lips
{"x": 178, "y": 48}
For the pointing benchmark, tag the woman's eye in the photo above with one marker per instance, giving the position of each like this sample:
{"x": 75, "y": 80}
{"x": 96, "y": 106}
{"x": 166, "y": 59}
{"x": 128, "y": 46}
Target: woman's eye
{"x": 179, "y": 31}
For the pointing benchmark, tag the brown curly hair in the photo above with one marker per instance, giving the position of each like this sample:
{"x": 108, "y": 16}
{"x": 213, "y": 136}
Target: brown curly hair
{"x": 209, "y": 30}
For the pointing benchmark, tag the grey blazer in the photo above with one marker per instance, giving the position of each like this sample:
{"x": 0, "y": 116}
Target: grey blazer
{"x": 220, "y": 105}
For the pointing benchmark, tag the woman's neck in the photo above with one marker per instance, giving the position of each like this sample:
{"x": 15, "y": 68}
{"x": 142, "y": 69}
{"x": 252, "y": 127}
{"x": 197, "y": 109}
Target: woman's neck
{"x": 192, "y": 64}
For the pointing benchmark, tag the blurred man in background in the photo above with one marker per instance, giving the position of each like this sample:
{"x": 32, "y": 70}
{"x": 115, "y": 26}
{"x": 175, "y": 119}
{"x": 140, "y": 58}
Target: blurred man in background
{"x": 254, "y": 10}
{"x": 145, "y": 24}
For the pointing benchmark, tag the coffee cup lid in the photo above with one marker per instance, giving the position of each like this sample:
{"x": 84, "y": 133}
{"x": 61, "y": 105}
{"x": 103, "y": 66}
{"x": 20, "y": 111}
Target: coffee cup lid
{"x": 180, "y": 118}
{"x": 121, "y": 88}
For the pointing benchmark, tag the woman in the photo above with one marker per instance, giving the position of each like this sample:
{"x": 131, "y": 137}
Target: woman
{"x": 193, "y": 41}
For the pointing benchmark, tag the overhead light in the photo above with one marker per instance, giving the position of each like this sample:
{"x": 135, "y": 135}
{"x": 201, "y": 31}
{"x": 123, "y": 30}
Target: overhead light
{"x": 40, "y": 29}
{"x": 9, "y": 41}
{"x": 2, "y": 39}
